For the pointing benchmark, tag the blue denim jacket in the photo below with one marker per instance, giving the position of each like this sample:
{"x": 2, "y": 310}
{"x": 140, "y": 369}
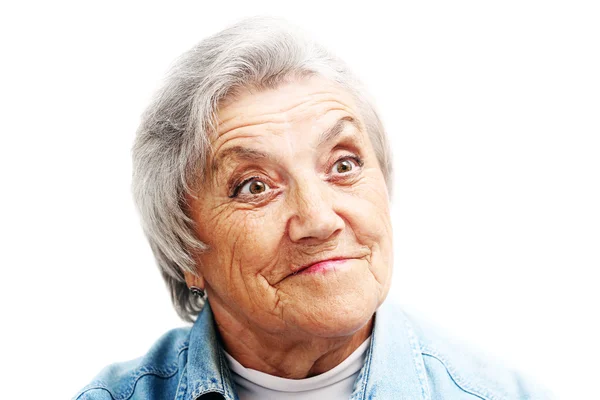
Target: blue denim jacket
{"x": 406, "y": 360}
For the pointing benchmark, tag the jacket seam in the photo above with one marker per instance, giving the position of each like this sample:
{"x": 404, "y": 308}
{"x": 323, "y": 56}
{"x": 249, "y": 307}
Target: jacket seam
{"x": 163, "y": 373}
{"x": 181, "y": 391}
{"x": 181, "y": 385}
{"x": 368, "y": 370}
{"x": 128, "y": 392}
{"x": 462, "y": 384}
{"x": 418, "y": 360}
{"x": 84, "y": 391}
{"x": 225, "y": 379}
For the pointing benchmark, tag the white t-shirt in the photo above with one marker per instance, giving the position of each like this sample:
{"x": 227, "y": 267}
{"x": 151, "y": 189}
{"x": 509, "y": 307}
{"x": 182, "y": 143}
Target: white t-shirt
{"x": 336, "y": 383}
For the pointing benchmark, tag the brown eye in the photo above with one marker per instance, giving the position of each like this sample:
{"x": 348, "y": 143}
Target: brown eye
{"x": 257, "y": 187}
{"x": 344, "y": 166}
{"x": 253, "y": 186}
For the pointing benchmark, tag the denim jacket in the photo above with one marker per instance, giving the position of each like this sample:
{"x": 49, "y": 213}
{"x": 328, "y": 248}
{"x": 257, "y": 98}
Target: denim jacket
{"x": 407, "y": 359}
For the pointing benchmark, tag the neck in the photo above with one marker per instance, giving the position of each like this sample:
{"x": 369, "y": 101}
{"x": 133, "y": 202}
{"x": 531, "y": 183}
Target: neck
{"x": 287, "y": 355}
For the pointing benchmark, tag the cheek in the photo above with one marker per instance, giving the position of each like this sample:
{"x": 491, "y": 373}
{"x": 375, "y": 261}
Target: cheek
{"x": 367, "y": 209}
{"x": 367, "y": 214}
{"x": 257, "y": 237}
{"x": 241, "y": 242}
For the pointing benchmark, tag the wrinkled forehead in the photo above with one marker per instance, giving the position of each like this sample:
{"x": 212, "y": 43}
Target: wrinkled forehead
{"x": 309, "y": 101}
{"x": 298, "y": 115}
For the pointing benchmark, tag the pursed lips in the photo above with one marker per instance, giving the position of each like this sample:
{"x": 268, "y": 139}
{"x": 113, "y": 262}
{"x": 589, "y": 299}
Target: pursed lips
{"x": 362, "y": 253}
{"x": 322, "y": 264}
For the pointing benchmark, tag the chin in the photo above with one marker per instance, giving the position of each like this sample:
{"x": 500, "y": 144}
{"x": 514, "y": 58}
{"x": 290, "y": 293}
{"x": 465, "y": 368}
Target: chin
{"x": 338, "y": 318}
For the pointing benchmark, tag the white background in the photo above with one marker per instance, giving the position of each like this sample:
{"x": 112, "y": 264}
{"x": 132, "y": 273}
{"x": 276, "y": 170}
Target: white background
{"x": 493, "y": 110}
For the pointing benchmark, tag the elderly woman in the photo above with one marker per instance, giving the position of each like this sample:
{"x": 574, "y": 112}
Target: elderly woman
{"x": 262, "y": 174}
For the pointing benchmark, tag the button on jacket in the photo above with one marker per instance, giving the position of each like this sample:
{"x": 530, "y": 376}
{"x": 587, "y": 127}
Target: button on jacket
{"x": 407, "y": 359}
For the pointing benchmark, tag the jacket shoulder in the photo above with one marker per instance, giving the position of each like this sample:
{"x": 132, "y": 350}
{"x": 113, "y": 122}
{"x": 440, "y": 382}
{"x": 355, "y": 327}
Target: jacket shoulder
{"x": 151, "y": 375}
{"x": 452, "y": 365}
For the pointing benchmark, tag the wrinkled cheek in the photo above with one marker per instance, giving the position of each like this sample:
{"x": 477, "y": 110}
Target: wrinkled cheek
{"x": 221, "y": 233}
{"x": 371, "y": 224}
{"x": 252, "y": 243}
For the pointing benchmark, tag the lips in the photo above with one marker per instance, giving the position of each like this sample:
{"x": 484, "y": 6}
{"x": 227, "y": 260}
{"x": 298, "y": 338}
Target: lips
{"x": 323, "y": 266}
{"x": 323, "y": 262}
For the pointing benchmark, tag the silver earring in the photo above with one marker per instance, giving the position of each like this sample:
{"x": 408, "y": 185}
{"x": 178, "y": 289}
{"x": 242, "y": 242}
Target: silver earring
{"x": 196, "y": 291}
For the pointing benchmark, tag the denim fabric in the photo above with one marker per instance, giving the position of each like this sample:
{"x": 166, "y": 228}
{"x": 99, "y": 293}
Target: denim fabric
{"x": 407, "y": 359}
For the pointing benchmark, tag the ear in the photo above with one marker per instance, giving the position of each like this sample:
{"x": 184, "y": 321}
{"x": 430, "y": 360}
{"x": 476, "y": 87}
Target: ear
{"x": 194, "y": 280}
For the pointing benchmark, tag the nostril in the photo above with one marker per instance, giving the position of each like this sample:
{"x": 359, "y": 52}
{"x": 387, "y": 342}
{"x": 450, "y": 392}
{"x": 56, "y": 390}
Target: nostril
{"x": 319, "y": 226}
{"x": 312, "y": 211}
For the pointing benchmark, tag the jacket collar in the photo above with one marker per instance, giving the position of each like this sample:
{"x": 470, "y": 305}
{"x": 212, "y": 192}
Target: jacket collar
{"x": 207, "y": 370}
{"x": 393, "y": 367}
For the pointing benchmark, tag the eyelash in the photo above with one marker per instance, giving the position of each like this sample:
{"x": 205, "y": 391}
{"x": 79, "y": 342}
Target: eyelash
{"x": 237, "y": 187}
{"x": 359, "y": 162}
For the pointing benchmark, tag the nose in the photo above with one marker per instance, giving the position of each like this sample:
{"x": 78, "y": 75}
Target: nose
{"x": 314, "y": 216}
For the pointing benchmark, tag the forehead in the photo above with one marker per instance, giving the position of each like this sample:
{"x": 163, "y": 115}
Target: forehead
{"x": 297, "y": 103}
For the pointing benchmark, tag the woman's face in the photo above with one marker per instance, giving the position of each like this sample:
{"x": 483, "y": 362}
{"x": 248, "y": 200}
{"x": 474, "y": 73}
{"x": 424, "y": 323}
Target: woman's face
{"x": 295, "y": 213}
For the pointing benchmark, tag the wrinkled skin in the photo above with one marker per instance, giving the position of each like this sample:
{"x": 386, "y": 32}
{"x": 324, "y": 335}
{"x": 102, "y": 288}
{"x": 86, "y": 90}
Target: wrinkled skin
{"x": 309, "y": 201}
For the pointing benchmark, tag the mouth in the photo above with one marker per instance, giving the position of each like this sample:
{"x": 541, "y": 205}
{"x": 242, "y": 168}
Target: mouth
{"x": 322, "y": 266}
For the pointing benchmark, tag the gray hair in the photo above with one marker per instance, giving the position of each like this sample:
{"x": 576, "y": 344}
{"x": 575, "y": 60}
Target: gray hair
{"x": 172, "y": 145}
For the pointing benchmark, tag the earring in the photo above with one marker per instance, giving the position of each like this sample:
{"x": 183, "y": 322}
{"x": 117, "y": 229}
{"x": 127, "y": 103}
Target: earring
{"x": 196, "y": 291}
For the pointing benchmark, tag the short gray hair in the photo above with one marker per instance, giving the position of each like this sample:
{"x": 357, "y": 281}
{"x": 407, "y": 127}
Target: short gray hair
{"x": 172, "y": 145}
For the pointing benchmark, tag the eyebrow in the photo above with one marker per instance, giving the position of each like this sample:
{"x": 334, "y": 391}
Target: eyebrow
{"x": 239, "y": 152}
{"x": 245, "y": 153}
{"x": 336, "y": 130}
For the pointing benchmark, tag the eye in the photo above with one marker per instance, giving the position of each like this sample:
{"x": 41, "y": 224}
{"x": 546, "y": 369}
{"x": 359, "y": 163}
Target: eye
{"x": 345, "y": 165}
{"x": 251, "y": 186}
